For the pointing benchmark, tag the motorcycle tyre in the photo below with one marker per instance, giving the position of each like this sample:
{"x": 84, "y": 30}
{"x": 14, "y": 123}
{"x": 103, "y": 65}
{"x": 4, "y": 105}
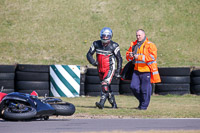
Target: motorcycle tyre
{"x": 64, "y": 109}
{"x": 7, "y": 115}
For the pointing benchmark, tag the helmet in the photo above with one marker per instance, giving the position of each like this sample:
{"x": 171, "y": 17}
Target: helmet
{"x": 106, "y": 35}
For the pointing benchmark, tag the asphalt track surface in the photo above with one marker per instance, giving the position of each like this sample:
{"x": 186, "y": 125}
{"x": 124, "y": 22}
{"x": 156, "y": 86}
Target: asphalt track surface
{"x": 88, "y": 125}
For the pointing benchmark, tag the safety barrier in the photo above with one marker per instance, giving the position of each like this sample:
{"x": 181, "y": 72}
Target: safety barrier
{"x": 175, "y": 80}
{"x": 68, "y": 81}
{"x": 32, "y": 77}
{"x": 64, "y": 80}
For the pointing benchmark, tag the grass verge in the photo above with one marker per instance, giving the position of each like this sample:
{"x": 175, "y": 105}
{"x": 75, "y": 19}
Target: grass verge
{"x": 61, "y": 32}
{"x": 169, "y": 106}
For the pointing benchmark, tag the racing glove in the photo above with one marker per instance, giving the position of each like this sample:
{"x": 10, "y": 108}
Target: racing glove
{"x": 117, "y": 74}
{"x": 95, "y": 63}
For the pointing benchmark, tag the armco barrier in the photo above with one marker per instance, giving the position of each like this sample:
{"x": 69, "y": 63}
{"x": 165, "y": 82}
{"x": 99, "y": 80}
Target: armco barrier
{"x": 64, "y": 80}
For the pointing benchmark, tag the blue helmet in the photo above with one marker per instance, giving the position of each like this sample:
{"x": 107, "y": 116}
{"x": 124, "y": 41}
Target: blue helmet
{"x": 106, "y": 35}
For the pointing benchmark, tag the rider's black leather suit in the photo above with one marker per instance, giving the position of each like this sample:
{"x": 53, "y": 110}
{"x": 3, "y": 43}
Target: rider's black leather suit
{"x": 105, "y": 56}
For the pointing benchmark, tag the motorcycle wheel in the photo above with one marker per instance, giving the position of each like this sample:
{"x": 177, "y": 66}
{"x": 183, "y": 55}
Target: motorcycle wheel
{"x": 28, "y": 113}
{"x": 65, "y": 109}
{"x": 46, "y": 118}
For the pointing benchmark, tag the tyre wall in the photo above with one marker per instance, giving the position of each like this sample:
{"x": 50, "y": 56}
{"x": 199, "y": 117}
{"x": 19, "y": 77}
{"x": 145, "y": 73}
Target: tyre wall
{"x": 26, "y": 78}
{"x": 7, "y": 78}
{"x": 174, "y": 80}
{"x": 93, "y": 85}
{"x": 30, "y": 78}
{"x": 195, "y": 82}
{"x": 124, "y": 88}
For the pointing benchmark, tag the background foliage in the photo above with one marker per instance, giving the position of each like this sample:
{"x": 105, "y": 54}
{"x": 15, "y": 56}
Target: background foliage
{"x": 61, "y": 31}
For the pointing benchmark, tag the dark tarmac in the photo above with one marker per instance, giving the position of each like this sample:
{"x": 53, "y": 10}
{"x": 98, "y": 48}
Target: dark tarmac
{"x": 96, "y": 125}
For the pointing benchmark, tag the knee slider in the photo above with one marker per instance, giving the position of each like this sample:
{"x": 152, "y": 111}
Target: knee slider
{"x": 105, "y": 87}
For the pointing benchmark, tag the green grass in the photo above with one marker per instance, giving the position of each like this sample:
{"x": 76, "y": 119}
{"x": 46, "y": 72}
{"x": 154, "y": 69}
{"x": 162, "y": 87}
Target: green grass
{"x": 61, "y": 32}
{"x": 170, "y": 106}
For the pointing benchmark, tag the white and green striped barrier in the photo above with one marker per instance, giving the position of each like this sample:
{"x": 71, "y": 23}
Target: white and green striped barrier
{"x": 64, "y": 80}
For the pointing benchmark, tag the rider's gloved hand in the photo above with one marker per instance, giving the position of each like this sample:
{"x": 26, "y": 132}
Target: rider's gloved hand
{"x": 95, "y": 63}
{"x": 117, "y": 75}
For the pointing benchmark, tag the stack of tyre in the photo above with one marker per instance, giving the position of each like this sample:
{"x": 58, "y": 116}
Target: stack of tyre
{"x": 93, "y": 85}
{"x": 195, "y": 82}
{"x": 174, "y": 80}
{"x": 7, "y": 78}
{"x": 32, "y": 78}
{"x": 125, "y": 87}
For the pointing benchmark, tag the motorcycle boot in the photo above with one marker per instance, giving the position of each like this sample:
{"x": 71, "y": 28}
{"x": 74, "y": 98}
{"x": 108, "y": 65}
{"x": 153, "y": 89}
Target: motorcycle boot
{"x": 102, "y": 101}
{"x": 111, "y": 99}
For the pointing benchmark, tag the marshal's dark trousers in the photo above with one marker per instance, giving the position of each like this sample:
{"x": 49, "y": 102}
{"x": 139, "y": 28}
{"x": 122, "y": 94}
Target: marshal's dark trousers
{"x": 141, "y": 88}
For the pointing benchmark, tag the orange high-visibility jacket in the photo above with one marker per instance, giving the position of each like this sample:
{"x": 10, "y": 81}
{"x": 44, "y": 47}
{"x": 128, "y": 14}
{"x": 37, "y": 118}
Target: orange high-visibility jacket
{"x": 146, "y": 62}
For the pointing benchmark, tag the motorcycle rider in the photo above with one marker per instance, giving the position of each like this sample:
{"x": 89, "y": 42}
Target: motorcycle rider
{"x": 106, "y": 53}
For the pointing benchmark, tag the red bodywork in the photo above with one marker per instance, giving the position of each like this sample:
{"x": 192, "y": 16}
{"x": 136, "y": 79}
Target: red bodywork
{"x": 2, "y": 95}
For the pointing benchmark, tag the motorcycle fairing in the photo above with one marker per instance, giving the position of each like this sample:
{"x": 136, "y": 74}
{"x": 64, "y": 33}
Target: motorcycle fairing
{"x": 2, "y": 95}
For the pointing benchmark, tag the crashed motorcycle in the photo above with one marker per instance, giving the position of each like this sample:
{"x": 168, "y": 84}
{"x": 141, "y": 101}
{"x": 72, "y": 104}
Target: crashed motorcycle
{"x": 17, "y": 106}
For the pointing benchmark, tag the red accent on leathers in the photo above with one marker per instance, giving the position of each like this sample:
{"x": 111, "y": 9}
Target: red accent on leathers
{"x": 104, "y": 64}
